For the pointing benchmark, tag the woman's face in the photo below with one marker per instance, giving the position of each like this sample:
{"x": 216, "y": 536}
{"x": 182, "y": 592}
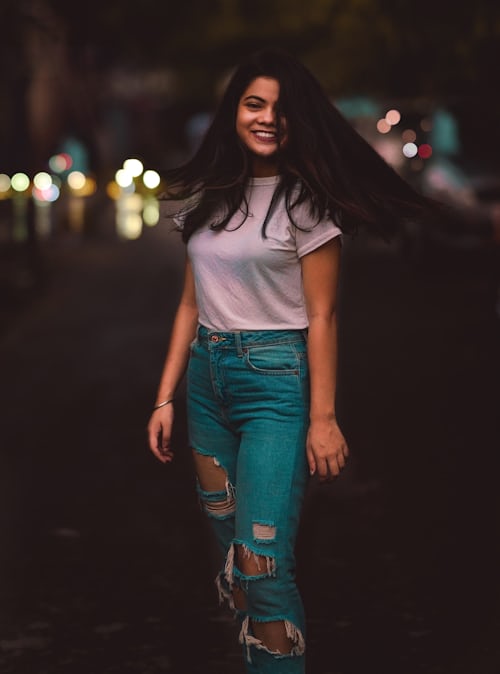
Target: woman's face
{"x": 256, "y": 124}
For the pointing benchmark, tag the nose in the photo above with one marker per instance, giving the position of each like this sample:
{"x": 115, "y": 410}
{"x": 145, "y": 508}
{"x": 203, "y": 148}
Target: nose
{"x": 267, "y": 115}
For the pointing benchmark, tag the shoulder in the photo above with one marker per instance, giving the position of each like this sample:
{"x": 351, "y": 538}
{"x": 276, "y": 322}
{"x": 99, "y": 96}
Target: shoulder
{"x": 311, "y": 232}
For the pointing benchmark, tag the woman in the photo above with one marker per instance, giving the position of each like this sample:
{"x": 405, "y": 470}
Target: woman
{"x": 278, "y": 177}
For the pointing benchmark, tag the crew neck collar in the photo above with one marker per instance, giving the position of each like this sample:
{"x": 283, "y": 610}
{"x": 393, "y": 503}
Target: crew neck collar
{"x": 268, "y": 180}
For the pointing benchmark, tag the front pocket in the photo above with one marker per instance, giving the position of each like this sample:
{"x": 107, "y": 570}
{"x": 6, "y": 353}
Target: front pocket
{"x": 276, "y": 359}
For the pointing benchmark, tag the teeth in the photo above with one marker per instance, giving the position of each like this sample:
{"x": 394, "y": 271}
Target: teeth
{"x": 265, "y": 134}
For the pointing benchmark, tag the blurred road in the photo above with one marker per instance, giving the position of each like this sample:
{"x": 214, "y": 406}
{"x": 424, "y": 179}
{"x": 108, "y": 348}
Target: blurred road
{"x": 103, "y": 551}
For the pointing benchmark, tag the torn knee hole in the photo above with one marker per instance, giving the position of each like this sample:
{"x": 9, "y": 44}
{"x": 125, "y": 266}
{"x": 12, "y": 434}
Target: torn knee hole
{"x": 211, "y": 475}
{"x": 252, "y": 564}
{"x": 216, "y": 492}
{"x": 280, "y": 637}
{"x": 218, "y": 504}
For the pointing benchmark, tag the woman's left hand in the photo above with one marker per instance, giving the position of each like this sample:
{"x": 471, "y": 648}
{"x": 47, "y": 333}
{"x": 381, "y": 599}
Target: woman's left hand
{"x": 326, "y": 448}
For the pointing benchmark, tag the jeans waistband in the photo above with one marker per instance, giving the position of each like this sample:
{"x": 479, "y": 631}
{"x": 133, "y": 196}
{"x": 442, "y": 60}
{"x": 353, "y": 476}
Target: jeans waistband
{"x": 243, "y": 338}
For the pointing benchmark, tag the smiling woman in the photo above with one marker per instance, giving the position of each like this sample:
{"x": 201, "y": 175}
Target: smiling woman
{"x": 260, "y": 127}
{"x": 277, "y": 178}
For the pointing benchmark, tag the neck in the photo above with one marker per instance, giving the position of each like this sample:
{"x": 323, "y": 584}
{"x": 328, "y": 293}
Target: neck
{"x": 264, "y": 168}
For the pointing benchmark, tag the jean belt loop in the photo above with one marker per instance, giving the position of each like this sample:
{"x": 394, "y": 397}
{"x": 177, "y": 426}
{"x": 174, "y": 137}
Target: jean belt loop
{"x": 237, "y": 341}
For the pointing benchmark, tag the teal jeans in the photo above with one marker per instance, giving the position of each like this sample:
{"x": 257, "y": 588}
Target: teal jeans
{"x": 248, "y": 408}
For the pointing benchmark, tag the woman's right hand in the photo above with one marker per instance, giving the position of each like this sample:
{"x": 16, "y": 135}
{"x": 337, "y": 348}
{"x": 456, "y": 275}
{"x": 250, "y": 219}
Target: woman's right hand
{"x": 160, "y": 431}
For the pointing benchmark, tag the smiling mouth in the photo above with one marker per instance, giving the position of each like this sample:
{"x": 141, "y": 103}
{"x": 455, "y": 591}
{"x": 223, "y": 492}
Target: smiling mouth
{"x": 266, "y": 136}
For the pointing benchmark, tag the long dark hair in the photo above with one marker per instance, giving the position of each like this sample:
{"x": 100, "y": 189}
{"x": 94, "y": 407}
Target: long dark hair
{"x": 325, "y": 162}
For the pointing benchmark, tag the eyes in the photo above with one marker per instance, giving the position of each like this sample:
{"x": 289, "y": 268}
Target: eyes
{"x": 256, "y": 105}
{"x": 253, "y": 106}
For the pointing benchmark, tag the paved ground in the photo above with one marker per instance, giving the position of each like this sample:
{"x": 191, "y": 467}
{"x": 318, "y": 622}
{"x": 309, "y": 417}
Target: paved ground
{"x": 106, "y": 561}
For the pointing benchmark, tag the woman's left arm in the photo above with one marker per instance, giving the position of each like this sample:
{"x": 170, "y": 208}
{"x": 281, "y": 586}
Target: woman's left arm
{"x": 326, "y": 446}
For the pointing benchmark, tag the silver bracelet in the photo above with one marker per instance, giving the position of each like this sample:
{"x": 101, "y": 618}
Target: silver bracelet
{"x": 165, "y": 402}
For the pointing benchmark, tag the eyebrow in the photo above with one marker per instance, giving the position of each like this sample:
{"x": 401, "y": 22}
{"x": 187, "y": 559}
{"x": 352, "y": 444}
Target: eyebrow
{"x": 257, "y": 98}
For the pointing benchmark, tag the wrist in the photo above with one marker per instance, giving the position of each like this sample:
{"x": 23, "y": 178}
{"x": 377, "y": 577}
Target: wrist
{"x": 163, "y": 403}
{"x": 327, "y": 415}
{"x": 164, "y": 393}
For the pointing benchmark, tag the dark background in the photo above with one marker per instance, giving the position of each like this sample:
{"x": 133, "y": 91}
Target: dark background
{"x": 105, "y": 559}
{"x": 64, "y": 66}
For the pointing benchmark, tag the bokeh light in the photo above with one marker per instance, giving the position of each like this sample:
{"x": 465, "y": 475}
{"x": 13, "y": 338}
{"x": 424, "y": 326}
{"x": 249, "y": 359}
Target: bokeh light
{"x": 4, "y": 182}
{"x": 425, "y": 151}
{"x": 151, "y": 213}
{"x": 76, "y": 180}
{"x": 42, "y": 181}
{"x": 60, "y": 162}
{"x": 426, "y": 124}
{"x": 129, "y": 221}
{"x": 53, "y": 193}
{"x": 129, "y": 226}
{"x": 393, "y": 117}
{"x": 383, "y": 126}
{"x": 151, "y": 179}
{"x": 50, "y": 194}
{"x": 124, "y": 178}
{"x": 409, "y": 136}
{"x": 20, "y": 182}
{"x": 134, "y": 167}
{"x": 410, "y": 150}
{"x": 133, "y": 202}
{"x": 89, "y": 188}
{"x": 113, "y": 190}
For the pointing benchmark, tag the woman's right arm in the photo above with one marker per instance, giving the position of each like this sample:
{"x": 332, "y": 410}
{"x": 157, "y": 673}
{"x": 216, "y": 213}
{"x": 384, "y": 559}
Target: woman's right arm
{"x": 183, "y": 333}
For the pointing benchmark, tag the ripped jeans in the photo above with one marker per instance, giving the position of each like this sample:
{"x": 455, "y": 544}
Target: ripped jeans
{"x": 248, "y": 408}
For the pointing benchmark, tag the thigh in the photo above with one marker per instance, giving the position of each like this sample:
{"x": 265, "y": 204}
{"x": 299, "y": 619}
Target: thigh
{"x": 215, "y": 447}
{"x": 209, "y": 432}
{"x": 271, "y": 481}
{"x": 272, "y": 466}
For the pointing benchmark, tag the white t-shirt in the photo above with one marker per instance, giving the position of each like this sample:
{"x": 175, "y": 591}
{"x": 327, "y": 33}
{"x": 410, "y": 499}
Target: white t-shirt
{"x": 246, "y": 282}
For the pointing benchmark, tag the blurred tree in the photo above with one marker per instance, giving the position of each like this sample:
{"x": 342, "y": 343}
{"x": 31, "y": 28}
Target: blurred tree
{"x": 35, "y": 82}
{"x": 382, "y": 45}
{"x": 14, "y": 74}
{"x": 385, "y": 46}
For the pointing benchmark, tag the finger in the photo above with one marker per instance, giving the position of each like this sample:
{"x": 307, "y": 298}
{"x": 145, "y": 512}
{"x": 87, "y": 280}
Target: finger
{"x": 324, "y": 471}
{"x": 334, "y": 465}
{"x": 158, "y": 445}
{"x": 163, "y": 444}
{"x": 158, "y": 438}
{"x": 165, "y": 456}
{"x": 311, "y": 461}
{"x": 161, "y": 457}
{"x": 340, "y": 459}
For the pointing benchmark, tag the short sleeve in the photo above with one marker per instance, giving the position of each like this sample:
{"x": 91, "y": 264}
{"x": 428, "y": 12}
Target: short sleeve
{"x": 314, "y": 236}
